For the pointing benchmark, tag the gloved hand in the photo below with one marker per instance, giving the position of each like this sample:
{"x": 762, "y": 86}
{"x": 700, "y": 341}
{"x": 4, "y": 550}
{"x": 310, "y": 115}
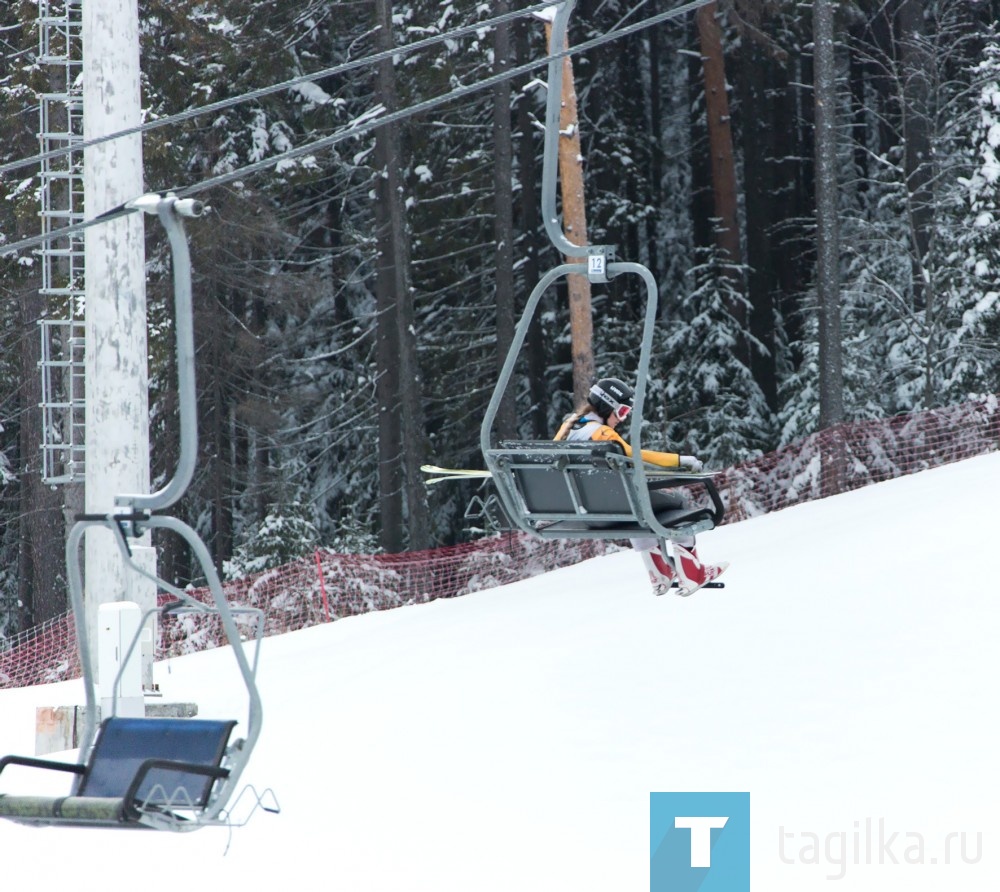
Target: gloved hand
{"x": 690, "y": 463}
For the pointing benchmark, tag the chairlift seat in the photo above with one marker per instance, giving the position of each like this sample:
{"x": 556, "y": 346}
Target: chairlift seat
{"x": 141, "y": 772}
{"x": 588, "y": 490}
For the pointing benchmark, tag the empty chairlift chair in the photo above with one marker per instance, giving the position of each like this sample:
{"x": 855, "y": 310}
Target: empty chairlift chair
{"x": 141, "y": 772}
{"x": 156, "y": 773}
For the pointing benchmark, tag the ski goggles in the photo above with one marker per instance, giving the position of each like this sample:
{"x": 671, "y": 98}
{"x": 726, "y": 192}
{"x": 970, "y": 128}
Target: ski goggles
{"x": 619, "y": 410}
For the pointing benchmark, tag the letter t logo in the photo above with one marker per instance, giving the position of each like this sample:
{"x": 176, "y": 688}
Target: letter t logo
{"x": 701, "y": 837}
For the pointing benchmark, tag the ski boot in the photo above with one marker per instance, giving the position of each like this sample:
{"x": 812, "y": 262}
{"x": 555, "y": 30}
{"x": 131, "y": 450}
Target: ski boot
{"x": 692, "y": 574}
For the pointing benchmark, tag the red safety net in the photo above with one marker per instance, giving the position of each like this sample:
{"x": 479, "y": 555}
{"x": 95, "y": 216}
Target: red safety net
{"x": 853, "y": 455}
{"x": 321, "y": 588}
{"x": 328, "y": 586}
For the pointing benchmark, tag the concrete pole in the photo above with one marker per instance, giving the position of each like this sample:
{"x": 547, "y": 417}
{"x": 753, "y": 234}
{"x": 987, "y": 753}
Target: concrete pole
{"x": 117, "y": 427}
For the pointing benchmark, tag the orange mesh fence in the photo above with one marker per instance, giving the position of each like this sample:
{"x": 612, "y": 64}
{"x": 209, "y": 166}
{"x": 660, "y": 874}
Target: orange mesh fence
{"x": 44, "y": 654}
{"x": 329, "y": 586}
{"x": 853, "y": 455}
{"x": 321, "y": 588}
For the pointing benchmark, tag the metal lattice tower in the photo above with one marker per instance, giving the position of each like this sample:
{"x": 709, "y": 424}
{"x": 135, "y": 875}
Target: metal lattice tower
{"x": 62, "y": 260}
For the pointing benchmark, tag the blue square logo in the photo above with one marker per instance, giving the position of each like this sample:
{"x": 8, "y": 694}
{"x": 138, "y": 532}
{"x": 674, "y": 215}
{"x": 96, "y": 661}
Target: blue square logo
{"x": 699, "y": 842}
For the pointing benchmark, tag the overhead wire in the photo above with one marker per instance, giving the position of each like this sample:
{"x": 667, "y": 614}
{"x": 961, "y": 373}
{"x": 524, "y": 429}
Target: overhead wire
{"x": 261, "y": 92}
{"x": 370, "y": 120}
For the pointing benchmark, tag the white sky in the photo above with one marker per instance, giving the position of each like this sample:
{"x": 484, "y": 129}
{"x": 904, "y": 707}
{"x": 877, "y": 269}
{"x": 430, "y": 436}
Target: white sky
{"x": 509, "y": 739}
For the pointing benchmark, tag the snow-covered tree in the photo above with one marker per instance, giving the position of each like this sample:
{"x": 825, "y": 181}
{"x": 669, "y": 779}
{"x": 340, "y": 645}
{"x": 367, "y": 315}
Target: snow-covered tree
{"x": 976, "y": 275}
{"x": 716, "y": 409}
{"x": 281, "y": 537}
{"x": 285, "y": 266}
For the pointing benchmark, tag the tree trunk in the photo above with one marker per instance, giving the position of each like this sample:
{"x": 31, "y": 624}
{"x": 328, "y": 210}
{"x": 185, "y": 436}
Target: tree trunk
{"x": 399, "y": 388}
{"x": 503, "y": 228}
{"x": 216, "y": 433}
{"x": 632, "y": 117}
{"x": 387, "y": 346}
{"x": 575, "y": 227}
{"x": 878, "y": 53}
{"x": 831, "y": 379}
{"x": 530, "y": 217}
{"x": 419, "y": 532}
{"x": 859, "y": 111}
{"x": 761, "y": 192}
{"x": 702, "y": 209}
{"x": 720, "y": 136}
{"x": 793, "y": 170}
{"x": 723, "y": 164}
{"x": 915, "y": 65}
{"x": 655, "y": 145}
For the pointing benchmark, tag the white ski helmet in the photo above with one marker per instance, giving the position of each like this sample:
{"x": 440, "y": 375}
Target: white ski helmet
{"x": 611, "y": 395}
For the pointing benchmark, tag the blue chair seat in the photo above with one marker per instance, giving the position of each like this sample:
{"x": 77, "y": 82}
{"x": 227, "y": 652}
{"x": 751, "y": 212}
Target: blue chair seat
{"x": 137, "y": 766}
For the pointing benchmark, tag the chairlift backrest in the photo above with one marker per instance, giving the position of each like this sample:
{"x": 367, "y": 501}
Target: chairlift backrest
{"x": 161, "y": 773}
{"x": 559, "y": 479}
{"x": 569, "y": 490}
{"x": 124, "y": 744}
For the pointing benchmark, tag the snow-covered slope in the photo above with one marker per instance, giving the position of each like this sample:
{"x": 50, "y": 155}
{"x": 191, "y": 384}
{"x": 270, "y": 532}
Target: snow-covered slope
{"x": 509, "y": 740}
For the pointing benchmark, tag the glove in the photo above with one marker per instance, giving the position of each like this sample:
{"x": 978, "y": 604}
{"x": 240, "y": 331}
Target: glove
{"x": 690, "y": 463}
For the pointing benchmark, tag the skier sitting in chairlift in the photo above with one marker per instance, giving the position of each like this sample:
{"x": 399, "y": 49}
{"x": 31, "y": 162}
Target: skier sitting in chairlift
{"x": 609, "y": 404}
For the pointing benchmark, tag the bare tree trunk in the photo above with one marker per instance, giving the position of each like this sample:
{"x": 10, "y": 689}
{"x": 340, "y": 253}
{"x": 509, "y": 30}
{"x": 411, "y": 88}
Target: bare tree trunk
{"x": 919, "y": 166}
{"x": 217, "y": 440}
{"x": 503, "y": 228}
{"x": 915, "y": 67}
{"x": 530, "y": 222}
{"x": 419, "y": 532}
{"x": 656, "y": 143}
{"x": 575, "y": 226}
{"x": 831, "y": 377}
{"x": 720, "y": 136}
{"x": 761, "y": 193}
{"x": 399, "y": 387}
{"x": 702, "y": 206}
{"x": 387, "y": 288}
{"x": 723, "y": 165}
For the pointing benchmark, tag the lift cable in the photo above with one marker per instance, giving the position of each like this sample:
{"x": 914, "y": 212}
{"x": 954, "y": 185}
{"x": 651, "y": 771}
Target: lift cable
{"x": 370, "y": 120}
{"x": 223, "y": 104}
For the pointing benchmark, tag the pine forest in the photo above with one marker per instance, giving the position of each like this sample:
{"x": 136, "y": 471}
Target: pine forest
{"x": 814, "y": 186}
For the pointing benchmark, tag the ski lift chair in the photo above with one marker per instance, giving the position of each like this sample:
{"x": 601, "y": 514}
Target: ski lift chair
{"x": 141, "y": 773}
{"x": 164, "y": 774}
{"x": 589, "y": 490}
{"x": 558, "y": 489}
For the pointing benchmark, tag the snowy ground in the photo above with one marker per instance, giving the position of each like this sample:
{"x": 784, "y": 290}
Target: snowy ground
{"x": 509, "y": 740}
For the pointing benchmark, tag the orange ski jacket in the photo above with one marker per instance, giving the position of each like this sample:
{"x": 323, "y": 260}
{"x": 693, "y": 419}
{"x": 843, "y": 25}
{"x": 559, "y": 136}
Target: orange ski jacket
{"x": 589, "y": 426}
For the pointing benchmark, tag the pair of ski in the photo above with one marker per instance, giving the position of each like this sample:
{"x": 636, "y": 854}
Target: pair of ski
{"x": 675, "y": 588}
{"x": 440, "y": 475}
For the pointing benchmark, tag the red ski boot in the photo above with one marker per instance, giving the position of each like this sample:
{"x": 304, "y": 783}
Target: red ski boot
{"x": 692, "y": 574}
{"x": 661, "y": 570}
